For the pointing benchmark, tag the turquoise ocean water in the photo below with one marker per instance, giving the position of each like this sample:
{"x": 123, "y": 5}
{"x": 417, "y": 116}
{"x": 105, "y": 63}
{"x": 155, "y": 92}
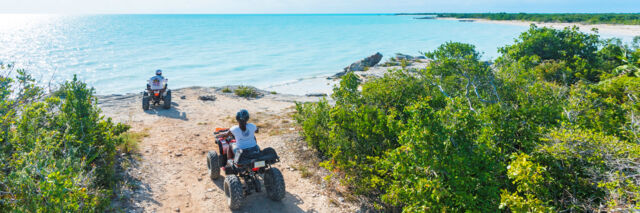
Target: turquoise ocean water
{"x": 117, "y": 53}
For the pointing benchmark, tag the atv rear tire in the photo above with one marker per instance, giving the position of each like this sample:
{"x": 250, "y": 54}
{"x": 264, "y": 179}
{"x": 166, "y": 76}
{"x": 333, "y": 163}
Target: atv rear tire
{"x": 274, "y": 183}
{"x": 213, "y": 163}
{"x": 145, "y": 101}
{"x": 234, "y": 191}
{"x": 167, "y": 100}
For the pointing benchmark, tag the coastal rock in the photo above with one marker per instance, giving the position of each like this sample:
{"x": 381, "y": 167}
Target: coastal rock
{"x": 425, "y": 17}
{"x": 360, "y": 65}
{"x": 207, "y": 98}
{"x": 316, "y": 94}
{"x": 400, "y": 56}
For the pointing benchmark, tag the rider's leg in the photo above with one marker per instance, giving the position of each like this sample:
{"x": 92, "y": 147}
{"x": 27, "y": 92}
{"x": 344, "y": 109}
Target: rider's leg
{"x": 221, "y": 158}
{"x": 231, "y": 152}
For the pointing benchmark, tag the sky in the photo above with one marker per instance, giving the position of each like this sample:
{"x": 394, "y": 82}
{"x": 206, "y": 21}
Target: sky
{"x": 315, "y": 6}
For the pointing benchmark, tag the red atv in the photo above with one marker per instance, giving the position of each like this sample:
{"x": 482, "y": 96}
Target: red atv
{"x": 248, "y": 167}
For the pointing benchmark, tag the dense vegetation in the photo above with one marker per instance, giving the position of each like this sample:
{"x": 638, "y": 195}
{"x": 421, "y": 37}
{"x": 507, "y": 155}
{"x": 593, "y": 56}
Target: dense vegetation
{"x": 587, "y": 18}
{"x": 57, "y": 153}
{"x": 553, "y": 124}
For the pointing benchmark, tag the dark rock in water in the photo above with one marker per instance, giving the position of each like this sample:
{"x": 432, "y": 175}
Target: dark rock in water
{"x": 366, "y": 62}
{"x": 425, "y": 17}
{"x": 316, "y": 95}
{"x": 360, "y": 65}
{"x": 207, "y": 98}
{"x": 400, "y": 56}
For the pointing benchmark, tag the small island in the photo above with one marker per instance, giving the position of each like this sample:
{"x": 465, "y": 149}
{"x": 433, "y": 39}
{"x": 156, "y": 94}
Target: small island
{"x": 583, "y": 18}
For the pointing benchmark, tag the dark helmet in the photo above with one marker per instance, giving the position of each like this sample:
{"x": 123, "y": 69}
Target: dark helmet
{"x": 242, "y": 115}
{"x": 158, "y": 72}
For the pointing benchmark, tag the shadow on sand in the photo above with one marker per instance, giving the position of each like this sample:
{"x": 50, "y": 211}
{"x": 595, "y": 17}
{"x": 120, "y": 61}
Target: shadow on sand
{"x": 259, "y": 202}
{"x": 172, "y": 112}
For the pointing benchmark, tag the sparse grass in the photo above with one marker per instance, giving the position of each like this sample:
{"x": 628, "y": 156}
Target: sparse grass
{"x": 273, "y": 92}
{"x": 350, "y": 197}
{"x": 202, "y": 123}
{"x": 247, "y": 92}
{"x": 404, "y": 63}
{"x": 226, "y": 90}
{"x": 276, "y": 132}
{"x": 390, "y": 64}
{"x": 304, "y": 171}
{"x": 132, "y": 141}
{"x": 263, "y": 125}
{"x": 231, "y": 119}
{"x": 366, "y": 68}
{"x": 334, "y": 202}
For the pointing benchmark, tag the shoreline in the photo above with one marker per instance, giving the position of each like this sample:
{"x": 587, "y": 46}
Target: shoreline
{"x": 299, "y": 90}
{"x": 303, "y": 87}
{"x": 616, "y": 30}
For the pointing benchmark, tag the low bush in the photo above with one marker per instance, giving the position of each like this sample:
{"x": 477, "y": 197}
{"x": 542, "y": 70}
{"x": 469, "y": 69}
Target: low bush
{"x": 57, "y": 153}
{"x": 247, "y": 92}
{"x": 552, "y": 126}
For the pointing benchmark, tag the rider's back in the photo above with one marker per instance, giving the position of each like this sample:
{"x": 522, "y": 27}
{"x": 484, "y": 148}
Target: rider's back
{"x": 157, "y": 82}
{"x": 245, "y": 139}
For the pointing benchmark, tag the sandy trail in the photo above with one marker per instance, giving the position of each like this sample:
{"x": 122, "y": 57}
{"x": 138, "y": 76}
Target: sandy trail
{"x": 171, "y": 171}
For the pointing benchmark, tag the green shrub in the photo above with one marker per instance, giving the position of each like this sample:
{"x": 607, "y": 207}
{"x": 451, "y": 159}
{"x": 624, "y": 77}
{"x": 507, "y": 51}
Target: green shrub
{"x": 57, "y": 153}
{"x": 247, "y": 92}
{"x": 226, "y": 90}
{"x": 550, "y": 128}
{"x": 130, "y": 141}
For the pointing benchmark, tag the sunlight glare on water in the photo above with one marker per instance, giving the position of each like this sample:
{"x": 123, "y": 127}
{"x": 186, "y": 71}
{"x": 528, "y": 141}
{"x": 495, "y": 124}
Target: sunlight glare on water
{"x": 118, "y": 53}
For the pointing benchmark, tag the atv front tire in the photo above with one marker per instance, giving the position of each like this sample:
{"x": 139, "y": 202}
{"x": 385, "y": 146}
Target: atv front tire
{"x": 233, "y": 190}
{"x": 145, "y": 101}
{"x": 274, "y": 183}
{"x": 213, "y": 163}
{"x": 167, "y": 100}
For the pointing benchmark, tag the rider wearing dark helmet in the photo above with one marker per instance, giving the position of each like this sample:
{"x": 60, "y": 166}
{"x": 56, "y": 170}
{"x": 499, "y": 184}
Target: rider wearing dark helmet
{"x": 244, "y": 133}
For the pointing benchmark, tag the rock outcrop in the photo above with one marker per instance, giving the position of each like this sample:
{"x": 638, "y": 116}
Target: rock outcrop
{"x": 400, "y": 56}
{"x": 316, "y": 94}
{"x": 360, "y": 65}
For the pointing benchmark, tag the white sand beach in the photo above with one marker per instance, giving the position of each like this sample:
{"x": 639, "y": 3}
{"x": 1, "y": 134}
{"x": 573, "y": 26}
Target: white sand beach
{"x": 613, "y": 30}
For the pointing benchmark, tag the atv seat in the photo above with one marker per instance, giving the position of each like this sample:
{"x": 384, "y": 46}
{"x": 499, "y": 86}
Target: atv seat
{"x": 268, "y": 155}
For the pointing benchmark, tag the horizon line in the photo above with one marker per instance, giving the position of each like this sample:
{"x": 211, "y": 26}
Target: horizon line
{"x": 390, "y": 13}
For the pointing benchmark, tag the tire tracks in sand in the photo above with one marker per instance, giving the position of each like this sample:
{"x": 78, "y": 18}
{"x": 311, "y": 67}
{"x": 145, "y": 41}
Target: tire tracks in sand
{"x": 170, "y": 172}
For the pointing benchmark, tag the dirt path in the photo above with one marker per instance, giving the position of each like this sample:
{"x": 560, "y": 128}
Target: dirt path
{"x": 171, "y": 171}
